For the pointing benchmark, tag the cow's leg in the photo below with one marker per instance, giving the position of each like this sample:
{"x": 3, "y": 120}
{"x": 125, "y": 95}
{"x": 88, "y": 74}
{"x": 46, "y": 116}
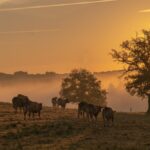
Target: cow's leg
{"x": 79, "y": 113}
{"x": 112, "y": 121}
{"x": 105, "y": 123}
{"x": 39, "y": 113}
{"x": 104, "y": 120}
{"x": 29, "y": 114}
{"x": 25, "y": 112}
{"x": 92, "y": 117}
{"x": 88, "y": 116}
{"x": 15, "y": 110}
{"x": 63, "y": 106}
{"x": 95, "y": 117}
{"x": 85, "y": 114}
{"x": 32, "y": 115}
{"x": 20, "y": 109}
{"x": 109, "y": 122}
{"x": 82, "y": 114}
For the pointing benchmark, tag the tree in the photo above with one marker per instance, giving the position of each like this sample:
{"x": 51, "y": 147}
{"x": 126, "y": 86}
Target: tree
{"x": 20, "y": 73}
{"x": 82, "y": 85}
{"x": 135, "y": 55}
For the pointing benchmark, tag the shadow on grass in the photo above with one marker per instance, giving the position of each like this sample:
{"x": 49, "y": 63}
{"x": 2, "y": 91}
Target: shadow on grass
{"x": 45, "y": 133}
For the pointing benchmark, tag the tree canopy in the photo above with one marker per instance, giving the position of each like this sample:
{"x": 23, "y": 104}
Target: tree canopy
{"x": 82, "y": 85}
{"x": 135, "y": 55}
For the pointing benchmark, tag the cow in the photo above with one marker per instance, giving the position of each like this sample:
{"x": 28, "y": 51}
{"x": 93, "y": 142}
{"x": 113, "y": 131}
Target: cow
{"x": 54, "y": 101}
{"x": 91, "y": 110}
{"x": 62, "y": 102}
{"x": 32, "y": 108}
{"x": 20, "y": 101}
{"x": 82, "y": 107}
{"x": 108, "y": 116}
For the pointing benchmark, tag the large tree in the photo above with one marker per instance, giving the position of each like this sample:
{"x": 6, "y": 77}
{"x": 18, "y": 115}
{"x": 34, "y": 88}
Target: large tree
{"x": 82, "y": 85}
{"x": 135, "y": 55}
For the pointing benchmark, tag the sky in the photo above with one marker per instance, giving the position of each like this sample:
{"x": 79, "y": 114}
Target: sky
{"x": 60, "y": 35}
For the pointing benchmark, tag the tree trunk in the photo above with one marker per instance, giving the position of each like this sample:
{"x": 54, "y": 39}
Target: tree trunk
{"x": 148, "y": 110}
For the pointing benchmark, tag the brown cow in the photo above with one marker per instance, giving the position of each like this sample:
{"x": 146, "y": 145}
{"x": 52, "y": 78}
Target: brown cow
{"x": 108, "y": 116}
{"x": 54, "y": 101}
{"x": 62, "y": 102}
{"x": 91, "y": 110}
{"x": 82, "y": 107}
{"x": 20, "y": 101}
{"x": 33, "y": 108}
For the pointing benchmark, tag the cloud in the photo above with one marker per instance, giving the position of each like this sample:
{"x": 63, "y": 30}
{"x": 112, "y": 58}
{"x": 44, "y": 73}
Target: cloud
{"x": 29, "y": 31}
{"x": 56, "y": 5}
{"x": 145, "y": 11}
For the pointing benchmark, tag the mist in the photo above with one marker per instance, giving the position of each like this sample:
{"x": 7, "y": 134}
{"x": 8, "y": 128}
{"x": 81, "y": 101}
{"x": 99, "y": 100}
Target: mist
{"x": 43, "y": 91}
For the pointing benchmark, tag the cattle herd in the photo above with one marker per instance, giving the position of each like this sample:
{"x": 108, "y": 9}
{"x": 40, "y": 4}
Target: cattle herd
{"x": 24, "y": 103}
{"x": 85, "y": 110}
{"x": 91, "y": 112}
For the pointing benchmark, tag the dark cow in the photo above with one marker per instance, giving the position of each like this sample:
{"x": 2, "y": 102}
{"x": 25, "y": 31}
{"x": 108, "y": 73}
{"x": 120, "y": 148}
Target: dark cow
{"x": 82, "y": 107}
{"x": 91, "y": 110}
{"x": 62, "y": 102}
{"x": 108, "y": 116}
{"x": 20, "y": 101}
{"x": 33, "y": 108}
{"x": 54, "y": 101}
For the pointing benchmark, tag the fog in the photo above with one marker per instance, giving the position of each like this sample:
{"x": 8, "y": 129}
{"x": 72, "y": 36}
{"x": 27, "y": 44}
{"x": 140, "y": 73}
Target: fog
{"x": 42, "y": 91}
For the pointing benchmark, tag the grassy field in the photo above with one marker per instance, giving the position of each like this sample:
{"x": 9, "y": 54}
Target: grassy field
{"x": 61, "y": 130}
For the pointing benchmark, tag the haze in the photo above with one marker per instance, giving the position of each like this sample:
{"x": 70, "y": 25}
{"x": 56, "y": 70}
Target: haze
{"x": 44, "y": 90}
{"x": 41, "y": 35}
{"x": 60, "y": 35}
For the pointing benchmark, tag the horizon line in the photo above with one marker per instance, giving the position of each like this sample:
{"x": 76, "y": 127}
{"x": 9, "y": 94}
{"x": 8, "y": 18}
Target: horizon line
{"x": 28, "y": 73}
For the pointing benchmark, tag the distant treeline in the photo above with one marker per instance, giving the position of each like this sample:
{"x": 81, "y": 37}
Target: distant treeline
{"x": 21, "y": 76}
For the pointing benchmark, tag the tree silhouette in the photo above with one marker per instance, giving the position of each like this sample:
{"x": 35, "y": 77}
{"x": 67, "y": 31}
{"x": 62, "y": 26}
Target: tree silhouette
{"x": 20, "y": 73}
{"x": 135, "y": 55}
{"x": 81, "y": 85}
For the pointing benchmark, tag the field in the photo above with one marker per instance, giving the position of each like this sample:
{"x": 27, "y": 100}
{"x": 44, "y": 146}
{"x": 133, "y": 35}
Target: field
{"x": 61, "y": 130}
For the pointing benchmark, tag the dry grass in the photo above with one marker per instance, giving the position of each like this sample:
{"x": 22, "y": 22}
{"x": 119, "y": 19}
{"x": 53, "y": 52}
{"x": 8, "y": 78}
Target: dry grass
{"x": 61, "y": 130}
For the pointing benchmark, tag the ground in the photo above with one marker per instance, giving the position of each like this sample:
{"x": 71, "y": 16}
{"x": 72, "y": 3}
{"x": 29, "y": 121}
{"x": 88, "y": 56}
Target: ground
{"x": 62, "y": 130}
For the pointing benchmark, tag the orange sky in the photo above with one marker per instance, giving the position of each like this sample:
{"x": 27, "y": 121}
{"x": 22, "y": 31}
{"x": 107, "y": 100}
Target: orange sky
{"x": 59, "y": 35}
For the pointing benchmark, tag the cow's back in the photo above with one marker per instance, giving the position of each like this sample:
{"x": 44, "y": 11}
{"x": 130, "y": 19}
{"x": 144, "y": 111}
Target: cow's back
{"x": 34, "y": 107}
